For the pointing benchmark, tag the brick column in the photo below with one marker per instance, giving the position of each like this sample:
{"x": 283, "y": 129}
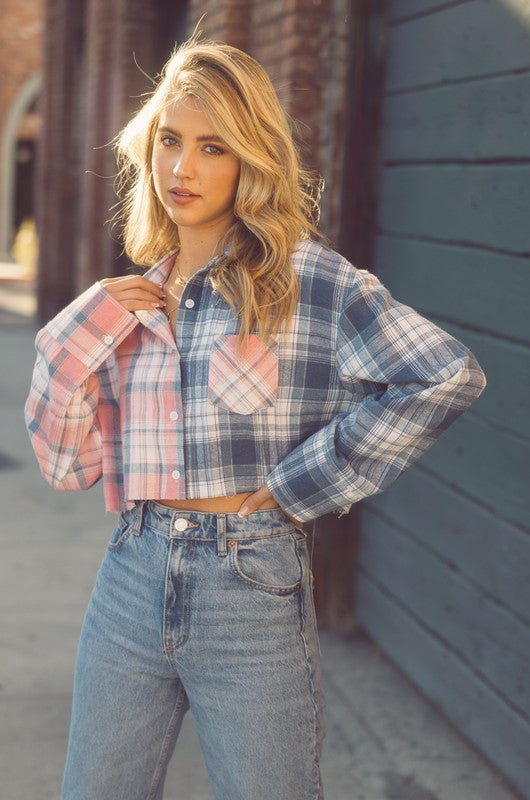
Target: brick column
{"x": 223, "y": 20}
{"x": 304, "y": 46}
{"x": 58, "y": 171}
{"x": 95, "y": 182}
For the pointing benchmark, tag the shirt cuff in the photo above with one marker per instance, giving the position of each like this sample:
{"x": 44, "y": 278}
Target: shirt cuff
{"x": 79, "y": 339}
{"x": 91, "y": 326}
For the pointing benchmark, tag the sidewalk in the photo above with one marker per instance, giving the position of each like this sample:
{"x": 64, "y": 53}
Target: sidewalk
{"x": 384, "y": 742}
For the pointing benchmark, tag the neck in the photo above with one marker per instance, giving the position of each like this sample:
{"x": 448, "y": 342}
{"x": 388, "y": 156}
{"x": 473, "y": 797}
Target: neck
{"x": 196, "y": 250}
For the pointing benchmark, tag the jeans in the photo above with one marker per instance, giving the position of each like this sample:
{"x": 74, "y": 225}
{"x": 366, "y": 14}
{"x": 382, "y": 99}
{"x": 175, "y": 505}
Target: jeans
{"x": 212, "y": 613}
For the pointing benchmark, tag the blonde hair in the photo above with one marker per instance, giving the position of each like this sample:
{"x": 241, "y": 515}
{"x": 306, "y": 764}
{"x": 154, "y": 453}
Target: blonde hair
{"x": 277, "y": 202}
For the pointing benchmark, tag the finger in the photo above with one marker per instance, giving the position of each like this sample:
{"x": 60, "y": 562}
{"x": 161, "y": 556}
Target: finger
{"x": 140, "y": 305}
{"x": 136, "y": 299}
{"x": 128, "y": 282}
{"x": 254, "y": 501}
{"x": 139, "y": 295}
{"x": 147, "y": 285}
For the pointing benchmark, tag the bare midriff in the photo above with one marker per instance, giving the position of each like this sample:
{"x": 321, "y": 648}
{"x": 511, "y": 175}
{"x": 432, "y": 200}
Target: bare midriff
{"x": 216, "y": 505}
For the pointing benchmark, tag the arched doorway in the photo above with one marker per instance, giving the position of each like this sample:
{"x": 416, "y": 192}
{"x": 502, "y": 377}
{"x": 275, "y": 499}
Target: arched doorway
{"x": 17, "y": 160}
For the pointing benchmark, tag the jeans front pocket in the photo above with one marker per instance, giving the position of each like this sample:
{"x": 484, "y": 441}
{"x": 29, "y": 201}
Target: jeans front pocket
{"x": 243, "y": 380}
{"x": 271, "y": 564}
{"x": 122, "y": 531}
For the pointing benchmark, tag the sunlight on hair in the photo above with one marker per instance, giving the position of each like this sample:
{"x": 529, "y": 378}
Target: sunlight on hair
{"x": 277, "y": 201}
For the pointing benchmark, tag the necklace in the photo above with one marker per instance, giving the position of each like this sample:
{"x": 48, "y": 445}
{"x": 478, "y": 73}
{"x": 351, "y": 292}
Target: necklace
{"x": 174, "y": 287}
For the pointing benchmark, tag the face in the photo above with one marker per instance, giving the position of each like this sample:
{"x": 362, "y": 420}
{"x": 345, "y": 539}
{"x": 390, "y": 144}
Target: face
{"x": 195, "y": 174}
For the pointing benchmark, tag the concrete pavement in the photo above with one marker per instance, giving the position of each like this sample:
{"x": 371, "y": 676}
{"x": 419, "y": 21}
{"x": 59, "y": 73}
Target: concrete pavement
{"x": 384, "y": 742}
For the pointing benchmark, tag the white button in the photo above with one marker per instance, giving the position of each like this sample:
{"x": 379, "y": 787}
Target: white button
{"x": 180, "y": 524}
{"x": 175, "y": 474}
{"x": 174, "y": 415}
{"x": 189, "y": 303}
{"x": 108, "y": 339}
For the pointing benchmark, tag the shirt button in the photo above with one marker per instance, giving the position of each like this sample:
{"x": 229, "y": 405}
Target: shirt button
{"x": 180, "y": 524}
{"x": 175, "y": 474}
{"x": 108, "y": 339}
{"x": 189, "y": 303}
{"x": 174, "y": 415}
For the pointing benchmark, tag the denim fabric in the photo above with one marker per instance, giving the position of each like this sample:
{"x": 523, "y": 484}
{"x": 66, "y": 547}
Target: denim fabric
{"x": 211, "y": 612}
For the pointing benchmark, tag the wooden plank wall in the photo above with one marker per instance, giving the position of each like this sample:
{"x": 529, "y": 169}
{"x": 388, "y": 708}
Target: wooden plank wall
{"x": 444, "y": 575}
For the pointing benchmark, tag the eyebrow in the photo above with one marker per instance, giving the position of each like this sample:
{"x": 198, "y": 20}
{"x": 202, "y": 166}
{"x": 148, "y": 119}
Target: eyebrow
{"x": 213, "y": 137}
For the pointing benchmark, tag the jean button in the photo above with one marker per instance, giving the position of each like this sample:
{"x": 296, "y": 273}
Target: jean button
{"x": 180, "y": 524}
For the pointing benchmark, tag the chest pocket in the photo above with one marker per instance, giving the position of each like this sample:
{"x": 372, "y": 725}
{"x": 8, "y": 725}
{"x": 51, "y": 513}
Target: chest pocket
{"x": 246, "y": 380}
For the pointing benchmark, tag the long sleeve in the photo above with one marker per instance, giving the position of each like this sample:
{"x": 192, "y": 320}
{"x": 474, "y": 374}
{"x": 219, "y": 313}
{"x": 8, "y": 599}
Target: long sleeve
{"x": 61, "y": 411}
{"x": 408, "y": 380}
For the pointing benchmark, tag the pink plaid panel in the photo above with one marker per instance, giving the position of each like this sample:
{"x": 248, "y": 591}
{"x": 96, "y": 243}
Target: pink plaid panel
{"x": 243, "y": 381}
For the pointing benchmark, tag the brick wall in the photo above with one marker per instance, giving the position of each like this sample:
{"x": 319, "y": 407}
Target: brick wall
{"x": 20, "y": 48}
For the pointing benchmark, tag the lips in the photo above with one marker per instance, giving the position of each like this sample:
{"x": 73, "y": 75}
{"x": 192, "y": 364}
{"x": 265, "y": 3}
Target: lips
{"x": 181, "y": 192}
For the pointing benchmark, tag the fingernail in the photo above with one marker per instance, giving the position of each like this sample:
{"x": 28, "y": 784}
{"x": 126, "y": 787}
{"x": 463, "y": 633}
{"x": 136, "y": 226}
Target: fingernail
{"x": 243, "y": 511}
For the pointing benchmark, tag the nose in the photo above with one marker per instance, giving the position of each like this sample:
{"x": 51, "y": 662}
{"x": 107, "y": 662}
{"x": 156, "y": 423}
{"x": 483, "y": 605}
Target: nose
{"x": 183, "y": 166}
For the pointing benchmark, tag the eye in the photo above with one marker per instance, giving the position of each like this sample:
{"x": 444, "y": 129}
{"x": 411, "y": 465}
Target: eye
{"x": 214, "y": 150}
{"x": 168, "y": 141}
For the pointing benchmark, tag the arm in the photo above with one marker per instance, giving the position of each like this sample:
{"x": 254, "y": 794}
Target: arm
{"x": 61, "y": 409}
{"x": 409, "y": 381}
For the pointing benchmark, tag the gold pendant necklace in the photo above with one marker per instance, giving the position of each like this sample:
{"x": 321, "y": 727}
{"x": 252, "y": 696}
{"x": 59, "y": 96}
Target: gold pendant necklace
{"x": 176, "y": 281}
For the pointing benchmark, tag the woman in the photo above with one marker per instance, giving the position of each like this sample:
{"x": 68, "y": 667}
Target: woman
{"x": 249, "y": 381}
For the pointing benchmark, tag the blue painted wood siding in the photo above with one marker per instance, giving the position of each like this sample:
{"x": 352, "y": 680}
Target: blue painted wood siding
{"x": 444, "y": 575}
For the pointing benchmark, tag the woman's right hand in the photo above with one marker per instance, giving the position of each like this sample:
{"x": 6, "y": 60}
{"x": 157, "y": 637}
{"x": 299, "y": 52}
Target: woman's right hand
{"x": 134, "y": 292}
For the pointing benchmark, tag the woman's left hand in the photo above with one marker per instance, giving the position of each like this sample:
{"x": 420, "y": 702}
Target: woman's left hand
{"x": 259, "y": 498}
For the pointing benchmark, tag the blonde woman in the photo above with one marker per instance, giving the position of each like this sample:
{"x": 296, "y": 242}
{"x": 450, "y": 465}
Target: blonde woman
{"x": 250, "y": 381}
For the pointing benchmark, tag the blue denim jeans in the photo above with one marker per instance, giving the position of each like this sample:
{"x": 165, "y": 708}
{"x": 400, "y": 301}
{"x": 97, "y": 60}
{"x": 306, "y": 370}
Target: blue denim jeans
{"x": 208, "y": 612}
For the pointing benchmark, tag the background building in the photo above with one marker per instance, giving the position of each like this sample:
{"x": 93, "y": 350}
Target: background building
{"x": 416, "y": 113}
{"x": 21, "y": 32}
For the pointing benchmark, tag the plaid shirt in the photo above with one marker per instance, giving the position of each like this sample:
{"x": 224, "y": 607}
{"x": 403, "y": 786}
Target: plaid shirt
{"x": 333, "y": 410}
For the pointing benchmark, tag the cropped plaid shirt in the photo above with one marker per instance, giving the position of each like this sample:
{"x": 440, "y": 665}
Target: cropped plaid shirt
{"x": 332, "y": 410}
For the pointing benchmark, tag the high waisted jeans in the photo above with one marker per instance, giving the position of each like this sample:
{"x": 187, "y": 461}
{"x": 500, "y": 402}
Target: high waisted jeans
{"x": 210, "y": 612}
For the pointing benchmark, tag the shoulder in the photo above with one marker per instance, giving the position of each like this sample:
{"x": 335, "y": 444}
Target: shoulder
{"x": 315, "y": 262}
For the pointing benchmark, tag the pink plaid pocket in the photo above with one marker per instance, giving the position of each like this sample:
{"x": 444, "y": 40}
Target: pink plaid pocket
{"x": 243, "y": 381}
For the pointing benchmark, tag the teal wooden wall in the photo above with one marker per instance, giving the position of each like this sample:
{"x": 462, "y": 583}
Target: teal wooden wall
{"x": 444, "y": 566}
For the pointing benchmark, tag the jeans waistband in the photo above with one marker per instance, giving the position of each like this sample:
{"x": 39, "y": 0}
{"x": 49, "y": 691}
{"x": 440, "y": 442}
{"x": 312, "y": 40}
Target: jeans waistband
{"x": 179, "y": 524}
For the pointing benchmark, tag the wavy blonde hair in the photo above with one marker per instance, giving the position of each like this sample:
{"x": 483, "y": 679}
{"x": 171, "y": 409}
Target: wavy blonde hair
{"x": 277, "y": 201}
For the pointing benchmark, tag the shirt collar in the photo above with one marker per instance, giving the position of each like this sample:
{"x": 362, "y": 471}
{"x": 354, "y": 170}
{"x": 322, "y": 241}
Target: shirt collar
{"x": 160, "y": 272}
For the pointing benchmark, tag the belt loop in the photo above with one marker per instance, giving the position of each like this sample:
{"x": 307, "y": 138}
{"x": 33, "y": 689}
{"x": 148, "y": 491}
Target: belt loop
{"x": 138, "y": 517}
{"x": 221, "y": 534}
